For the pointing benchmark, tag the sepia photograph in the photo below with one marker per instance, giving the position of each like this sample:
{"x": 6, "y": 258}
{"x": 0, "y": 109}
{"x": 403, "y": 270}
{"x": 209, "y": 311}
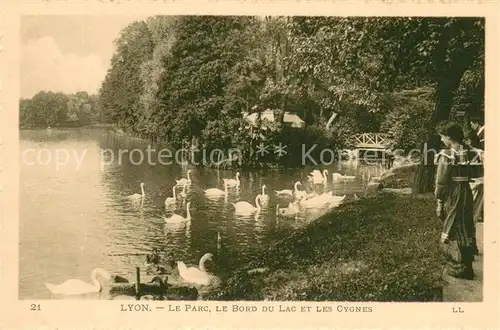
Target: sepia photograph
{"x": 251, "y": 158}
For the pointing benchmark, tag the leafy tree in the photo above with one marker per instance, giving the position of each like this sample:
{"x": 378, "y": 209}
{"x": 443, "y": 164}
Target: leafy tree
{"x": 407, "y": 122}
{"x": 44, "y": 109}
{"x": 195, "y": 78}
{"x": 121, "y": 89}
{"x": 163, "y": 36}
{"x": 55, "y": 109}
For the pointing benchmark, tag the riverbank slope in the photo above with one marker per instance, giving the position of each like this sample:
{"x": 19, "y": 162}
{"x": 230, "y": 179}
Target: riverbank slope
{"x": 383, "y": 248}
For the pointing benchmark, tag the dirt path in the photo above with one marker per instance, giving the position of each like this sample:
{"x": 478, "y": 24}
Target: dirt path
{"x": 464, "y": 290}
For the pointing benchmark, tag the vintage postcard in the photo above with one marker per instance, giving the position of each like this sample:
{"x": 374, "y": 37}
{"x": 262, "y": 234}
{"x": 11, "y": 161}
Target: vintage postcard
{"x": 249, "y": 165}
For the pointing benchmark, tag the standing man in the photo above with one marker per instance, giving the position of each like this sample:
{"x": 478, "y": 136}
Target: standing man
{"x": 477, "y": 125}
{"x": 477, "y": 141}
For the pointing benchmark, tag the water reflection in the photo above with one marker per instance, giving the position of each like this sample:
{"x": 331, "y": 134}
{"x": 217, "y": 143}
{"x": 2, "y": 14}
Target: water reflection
{"x": 74, "y": 220}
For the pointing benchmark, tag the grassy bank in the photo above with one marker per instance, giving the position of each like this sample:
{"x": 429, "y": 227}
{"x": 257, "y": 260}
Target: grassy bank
{"x": 383, "y": 248}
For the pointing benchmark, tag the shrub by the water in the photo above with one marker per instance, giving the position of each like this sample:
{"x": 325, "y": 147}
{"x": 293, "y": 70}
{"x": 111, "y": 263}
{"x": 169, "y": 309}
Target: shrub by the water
{"x": 236, "y": 134}
{"x": 299, "y": 141}
{"x": 408, "y": 119}
{"x": 376, "y": 249}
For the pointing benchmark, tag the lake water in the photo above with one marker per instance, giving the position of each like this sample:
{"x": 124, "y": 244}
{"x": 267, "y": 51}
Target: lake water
{"x": 74, "y": 218}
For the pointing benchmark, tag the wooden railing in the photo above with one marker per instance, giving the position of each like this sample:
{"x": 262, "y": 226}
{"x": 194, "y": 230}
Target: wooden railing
{"x": 371, "y": 140}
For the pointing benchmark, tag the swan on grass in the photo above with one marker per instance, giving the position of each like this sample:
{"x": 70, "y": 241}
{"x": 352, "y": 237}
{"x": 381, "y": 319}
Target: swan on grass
{"x": 175, "y": 218}
{"x": 171, "y": 200}
{"x": 184, "y": 181}
{"x": 243, "y": 207}
{"x": 216, "y": 192}
{"x": 318, "y": 177}
{"x": 78, "y": 287}
{"x": 137, "y": 196}
{"x": 289, "y": 191}
{"x": 233, "y": 182}
{"x": 196, "y": 275}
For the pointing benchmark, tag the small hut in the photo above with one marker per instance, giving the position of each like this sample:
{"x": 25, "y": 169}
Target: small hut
{"x": 269, "y": 115}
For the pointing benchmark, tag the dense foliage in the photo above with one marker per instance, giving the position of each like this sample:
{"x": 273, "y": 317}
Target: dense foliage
{"x": 57, "y": 109}
{"x": 192, "y": 78}
{"x": 346, "y": 255}
{"x": 408, "y": 121}
{"x": 178, "y": 78}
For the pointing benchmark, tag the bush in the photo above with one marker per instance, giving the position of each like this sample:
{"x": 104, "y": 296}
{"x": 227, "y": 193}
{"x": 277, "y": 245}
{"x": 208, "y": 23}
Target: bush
{"x": 407, "y": 123}
{"x": 299, "y": 141}
{"x": 237, "y": 134}
{"x": 384, "y": 248}
{"x": 343, "y": 130}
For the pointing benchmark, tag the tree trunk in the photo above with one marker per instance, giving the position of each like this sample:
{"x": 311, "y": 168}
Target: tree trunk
{"x": 424, "y": 179}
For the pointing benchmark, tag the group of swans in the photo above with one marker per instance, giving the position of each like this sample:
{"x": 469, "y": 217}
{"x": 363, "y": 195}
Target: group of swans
{"x": 195, "y": 275}
{"x": 169, "y": 201}
{"x": 293, "y": 208}
{"x": 215, "y": 192}
{"x": 303, "y": 199}
{"x": 317, "y": 177}
{"x": 199, "y": 275}
{"x": 241, "y": 207}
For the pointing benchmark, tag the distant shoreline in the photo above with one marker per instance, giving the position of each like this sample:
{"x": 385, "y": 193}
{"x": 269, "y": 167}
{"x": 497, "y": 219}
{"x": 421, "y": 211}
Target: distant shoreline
{"x": 39, "y": 128}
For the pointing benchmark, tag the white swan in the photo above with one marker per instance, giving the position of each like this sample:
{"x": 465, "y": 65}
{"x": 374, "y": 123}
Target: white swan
{"x": 265, "y": 197}
{"x": 233, "y": 182}
{"x": 196, "y": 275}
{"x": 340, "y": 177}
{"x": 215, "y": 192}
{"x": 319, "y": 178}
{"x": 183, "y": 192}
{"x": 77, "y": 287}
{"x": 289, "y": 191}
{"x": 173, "y": 199}
{"x": 247, "y": 208}
{"x": 175, "y": 218}
{"x": 137, "y": 196}
{"x": 184, "y": 181}
{"x": 290, "y": 211}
